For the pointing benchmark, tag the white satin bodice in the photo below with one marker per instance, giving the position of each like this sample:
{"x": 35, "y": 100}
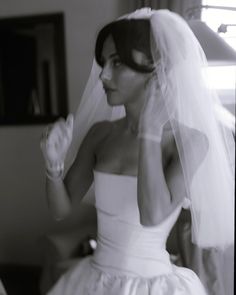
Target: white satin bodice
{"x": 129, "y": 259}
{"x": 124, "y": 245}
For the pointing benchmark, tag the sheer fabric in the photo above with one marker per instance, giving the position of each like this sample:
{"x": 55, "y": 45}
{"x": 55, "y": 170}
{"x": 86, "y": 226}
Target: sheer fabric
{"x": 180, "y": 87}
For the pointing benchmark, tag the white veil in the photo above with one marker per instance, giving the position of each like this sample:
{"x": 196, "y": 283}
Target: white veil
{"x": 182, "y": 69}
{"x": 180, "y": 66}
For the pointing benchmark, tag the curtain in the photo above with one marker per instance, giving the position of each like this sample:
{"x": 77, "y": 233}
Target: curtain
{"x": 179, "y": 6}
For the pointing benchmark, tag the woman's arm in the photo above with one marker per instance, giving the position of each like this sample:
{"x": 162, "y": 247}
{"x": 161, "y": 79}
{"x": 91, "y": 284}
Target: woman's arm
{"x": 61, "y": 193}
{"x": 154, "y": 197}
{"x": 57, "y": 198}
{"x": 161, "y": 190}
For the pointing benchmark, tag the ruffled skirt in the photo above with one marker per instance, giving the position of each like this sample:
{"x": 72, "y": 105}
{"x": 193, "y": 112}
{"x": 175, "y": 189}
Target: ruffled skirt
{"x": 86, "y": 279}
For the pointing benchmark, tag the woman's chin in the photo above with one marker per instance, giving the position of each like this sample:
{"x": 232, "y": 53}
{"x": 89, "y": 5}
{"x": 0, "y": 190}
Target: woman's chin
{"x": 114, "y": 101}
{"x": 113, "y": 104}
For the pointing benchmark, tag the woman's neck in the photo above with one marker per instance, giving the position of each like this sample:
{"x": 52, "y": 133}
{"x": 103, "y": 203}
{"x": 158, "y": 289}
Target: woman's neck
{"x": 132, "y": 119}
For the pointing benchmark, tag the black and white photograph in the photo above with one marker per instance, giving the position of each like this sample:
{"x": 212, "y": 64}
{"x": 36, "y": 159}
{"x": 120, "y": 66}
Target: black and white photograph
{"x": 117, "y": 147}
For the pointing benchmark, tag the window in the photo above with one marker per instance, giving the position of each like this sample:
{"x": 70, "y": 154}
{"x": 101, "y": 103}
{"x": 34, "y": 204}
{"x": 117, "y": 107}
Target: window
{"x": 222, "y": 21}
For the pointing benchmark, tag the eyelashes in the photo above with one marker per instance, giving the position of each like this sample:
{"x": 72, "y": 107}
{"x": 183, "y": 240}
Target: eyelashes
{"x": 115, "y": 62}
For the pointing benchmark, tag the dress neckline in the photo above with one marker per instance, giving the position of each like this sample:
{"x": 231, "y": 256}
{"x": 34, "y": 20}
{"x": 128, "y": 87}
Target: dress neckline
{"x": 115, "y": 174}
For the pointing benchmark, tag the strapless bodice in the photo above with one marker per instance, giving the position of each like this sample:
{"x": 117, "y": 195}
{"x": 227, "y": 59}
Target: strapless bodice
{"x": 123, "y": 243}
{"x": 129, "y": 258}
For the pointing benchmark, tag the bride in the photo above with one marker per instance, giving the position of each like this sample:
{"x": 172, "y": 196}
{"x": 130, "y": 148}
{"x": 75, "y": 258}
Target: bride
{"x": 147, "y": 135}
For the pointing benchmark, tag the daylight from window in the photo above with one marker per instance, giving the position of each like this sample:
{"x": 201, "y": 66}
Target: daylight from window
{"x": 224, "y": 23}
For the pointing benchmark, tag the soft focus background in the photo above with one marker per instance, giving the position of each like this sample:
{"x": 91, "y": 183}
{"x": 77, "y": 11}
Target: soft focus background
{"x": 23, "y": 210}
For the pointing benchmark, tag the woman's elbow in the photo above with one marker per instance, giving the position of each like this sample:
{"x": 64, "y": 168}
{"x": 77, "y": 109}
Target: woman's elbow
{"x": 60, "y": 217}
{"x": 147, "y": 221}
{"x": 151, "y": 212}
{"x": 150, "y": 218}
{"x": 154, "y": 215}
{"x": 61, "y": 214}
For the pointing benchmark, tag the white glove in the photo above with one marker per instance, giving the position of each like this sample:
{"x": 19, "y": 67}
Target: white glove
{"x": 55, "y": 142}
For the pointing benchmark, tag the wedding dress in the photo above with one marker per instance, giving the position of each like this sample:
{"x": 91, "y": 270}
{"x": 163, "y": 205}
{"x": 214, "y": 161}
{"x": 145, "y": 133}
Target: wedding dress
{"x": 130, "y": 259}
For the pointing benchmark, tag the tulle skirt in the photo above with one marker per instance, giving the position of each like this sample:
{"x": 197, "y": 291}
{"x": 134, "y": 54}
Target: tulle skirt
{"x": 86, "y": 279}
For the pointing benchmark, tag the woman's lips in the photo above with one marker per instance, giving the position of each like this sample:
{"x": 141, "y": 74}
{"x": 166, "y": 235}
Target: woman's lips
{"x": 108, "y": 89}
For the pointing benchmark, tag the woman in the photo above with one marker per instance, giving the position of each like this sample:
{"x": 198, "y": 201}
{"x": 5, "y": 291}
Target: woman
{"x": 147, "y": 164}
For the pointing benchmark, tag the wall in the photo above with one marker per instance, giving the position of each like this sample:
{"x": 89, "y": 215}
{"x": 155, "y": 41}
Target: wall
{"x": 24, "y": 217}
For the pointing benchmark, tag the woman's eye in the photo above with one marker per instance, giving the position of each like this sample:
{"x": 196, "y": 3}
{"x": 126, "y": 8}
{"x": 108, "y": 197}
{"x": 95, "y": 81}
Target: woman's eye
{"x": 116, "y": 62}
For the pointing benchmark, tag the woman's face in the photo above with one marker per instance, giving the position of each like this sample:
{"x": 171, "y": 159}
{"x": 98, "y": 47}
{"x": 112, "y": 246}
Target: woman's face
{"x": 123, "y": 85}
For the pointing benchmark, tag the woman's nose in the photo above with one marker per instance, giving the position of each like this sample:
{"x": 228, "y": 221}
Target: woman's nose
{"x": 106, "y": 73}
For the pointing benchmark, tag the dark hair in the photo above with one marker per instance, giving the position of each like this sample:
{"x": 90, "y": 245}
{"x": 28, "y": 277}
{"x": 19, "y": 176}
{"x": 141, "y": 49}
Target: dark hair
{"x": 128, "y": 35}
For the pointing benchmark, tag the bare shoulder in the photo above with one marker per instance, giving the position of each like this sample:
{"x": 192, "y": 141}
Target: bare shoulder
{"x": 98, "y": 132}
{"x": 85, "y": 159}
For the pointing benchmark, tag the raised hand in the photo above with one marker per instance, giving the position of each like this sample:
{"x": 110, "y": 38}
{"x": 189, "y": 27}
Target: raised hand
{"x": 157, "y": 111}
{"x": 55, "y": 142}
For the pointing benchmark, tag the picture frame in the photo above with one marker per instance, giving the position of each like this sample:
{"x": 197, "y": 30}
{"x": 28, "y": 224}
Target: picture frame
{"x": 33, "y": 86}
